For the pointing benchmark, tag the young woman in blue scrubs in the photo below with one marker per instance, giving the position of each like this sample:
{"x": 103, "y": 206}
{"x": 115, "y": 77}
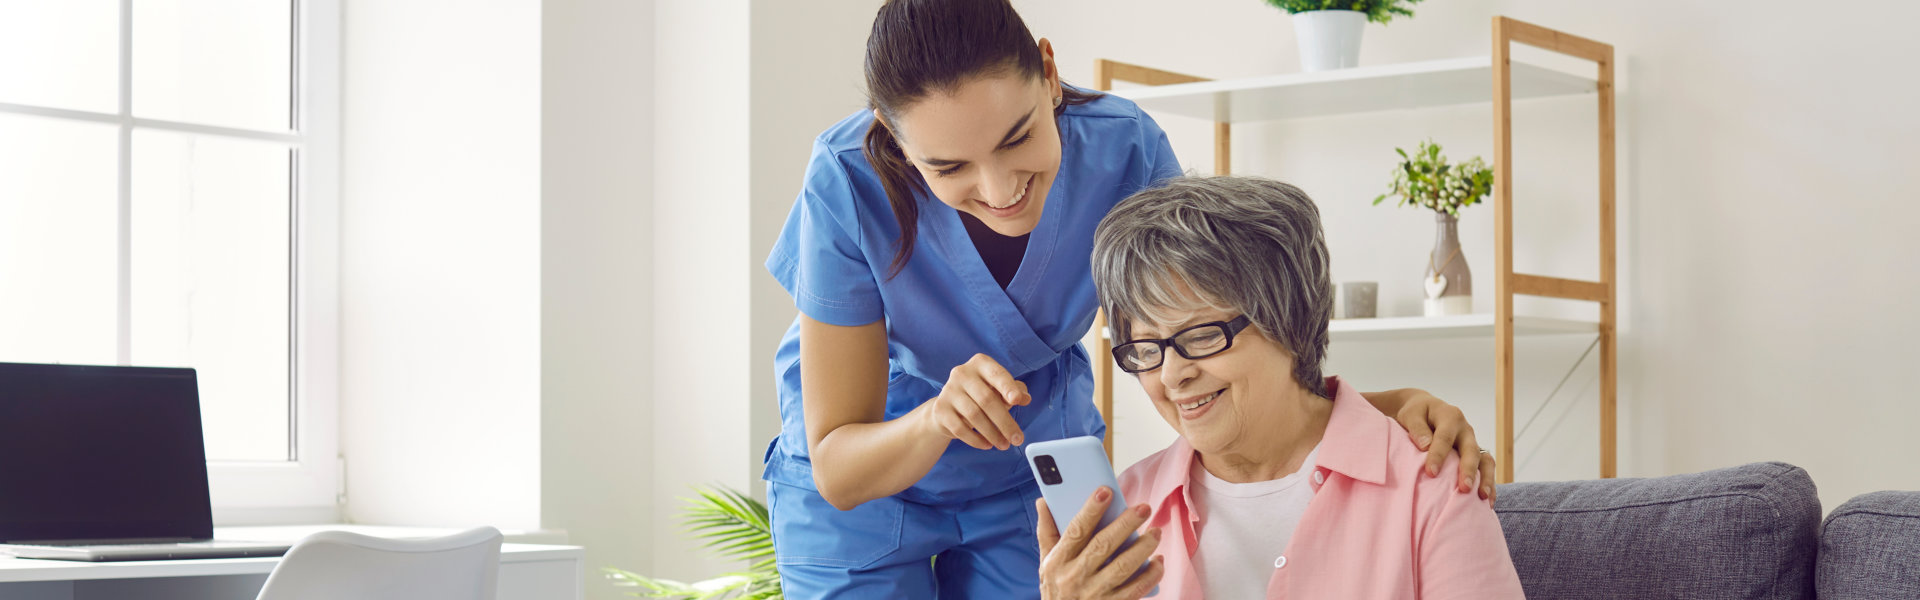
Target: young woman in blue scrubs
{"x": 939, "y": 256}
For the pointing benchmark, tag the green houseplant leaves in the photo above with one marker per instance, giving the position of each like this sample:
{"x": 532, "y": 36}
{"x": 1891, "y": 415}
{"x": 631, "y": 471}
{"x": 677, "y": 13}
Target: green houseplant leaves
{"x": 734, "y": 526}
{"x": 1426, "y": 180}
{"x": 1378, "y": 11}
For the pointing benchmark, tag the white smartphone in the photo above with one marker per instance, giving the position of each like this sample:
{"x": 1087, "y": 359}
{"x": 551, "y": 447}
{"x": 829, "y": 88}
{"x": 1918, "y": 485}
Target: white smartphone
{"x": 1069, "y": 471}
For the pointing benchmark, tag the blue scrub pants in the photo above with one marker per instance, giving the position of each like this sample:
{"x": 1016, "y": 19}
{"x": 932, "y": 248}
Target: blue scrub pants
{"x": 981, "y": 549}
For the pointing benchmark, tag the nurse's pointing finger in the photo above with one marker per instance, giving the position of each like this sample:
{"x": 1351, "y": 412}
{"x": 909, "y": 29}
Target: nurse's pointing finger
{"x": 1019, "y": 397}
{"x": 1011, "y": 390}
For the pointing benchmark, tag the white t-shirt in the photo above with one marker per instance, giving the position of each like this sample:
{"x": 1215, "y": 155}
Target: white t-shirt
{"x": 1245, "y": 528}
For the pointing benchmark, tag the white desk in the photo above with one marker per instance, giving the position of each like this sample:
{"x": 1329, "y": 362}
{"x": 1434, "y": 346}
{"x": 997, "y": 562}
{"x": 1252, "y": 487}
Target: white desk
{"x": 527, "y": 571}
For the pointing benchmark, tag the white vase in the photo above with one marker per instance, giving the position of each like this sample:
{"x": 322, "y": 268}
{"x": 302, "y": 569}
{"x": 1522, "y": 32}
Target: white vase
{"x": 1329, "y": 39}
{"x": 1447, "y": 280}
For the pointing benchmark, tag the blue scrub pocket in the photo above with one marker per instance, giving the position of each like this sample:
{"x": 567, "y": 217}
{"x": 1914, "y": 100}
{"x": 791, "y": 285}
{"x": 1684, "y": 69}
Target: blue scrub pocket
{"x": 1030, "y": 498}
{"x": 807, "y": 531}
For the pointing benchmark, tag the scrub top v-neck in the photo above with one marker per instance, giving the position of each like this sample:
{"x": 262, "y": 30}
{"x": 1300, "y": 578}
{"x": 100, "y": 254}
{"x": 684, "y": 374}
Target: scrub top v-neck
{"x": 944, "y": 306}
{"x": 1001, "y": 253}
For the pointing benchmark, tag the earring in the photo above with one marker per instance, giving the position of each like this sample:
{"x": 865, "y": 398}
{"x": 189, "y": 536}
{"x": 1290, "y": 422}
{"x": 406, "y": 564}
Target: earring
{"x": 1056, "y": 101}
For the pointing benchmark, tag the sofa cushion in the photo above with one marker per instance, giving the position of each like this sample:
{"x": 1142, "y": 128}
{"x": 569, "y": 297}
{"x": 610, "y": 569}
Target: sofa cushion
{"x": 1870, "y": 548}
{"x": 1742, "y": 532}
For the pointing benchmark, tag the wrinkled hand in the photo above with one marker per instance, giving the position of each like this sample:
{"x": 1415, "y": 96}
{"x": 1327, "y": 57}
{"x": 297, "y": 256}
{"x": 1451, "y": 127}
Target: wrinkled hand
{"x": 973, "y": 406}
{"x": 1075, "y": 566}
{"x": 1441, "y": 429}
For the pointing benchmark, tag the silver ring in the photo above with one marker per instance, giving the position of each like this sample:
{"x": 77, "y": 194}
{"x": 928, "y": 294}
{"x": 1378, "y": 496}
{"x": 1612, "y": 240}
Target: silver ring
{"x": 1485, "y": 451}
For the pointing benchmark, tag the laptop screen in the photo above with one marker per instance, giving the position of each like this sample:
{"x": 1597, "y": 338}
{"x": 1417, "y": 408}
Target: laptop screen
{"x": 102, "y": 453}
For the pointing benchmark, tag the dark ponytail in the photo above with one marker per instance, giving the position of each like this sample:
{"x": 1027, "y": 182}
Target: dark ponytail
{"x": 903, "y": 185}
{"x": 922, "y": 46}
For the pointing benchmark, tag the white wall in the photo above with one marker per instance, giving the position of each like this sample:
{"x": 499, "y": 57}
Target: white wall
{"x": 702, "y": 270}
{"x": 440, "y": 262}
{"x": 596, "y": 167}
{"x": 523, "y": 139}
{"x": 1763, "y": 223}
{"x": 498, "y": 271}
{"x": 741, "y": 89}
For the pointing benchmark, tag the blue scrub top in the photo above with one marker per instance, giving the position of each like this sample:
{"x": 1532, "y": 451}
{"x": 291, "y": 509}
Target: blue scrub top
{"x": 944, "y": 306}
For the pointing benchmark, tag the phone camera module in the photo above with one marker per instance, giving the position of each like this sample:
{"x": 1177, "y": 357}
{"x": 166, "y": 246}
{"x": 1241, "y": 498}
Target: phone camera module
{"x": 1049, "y": 472}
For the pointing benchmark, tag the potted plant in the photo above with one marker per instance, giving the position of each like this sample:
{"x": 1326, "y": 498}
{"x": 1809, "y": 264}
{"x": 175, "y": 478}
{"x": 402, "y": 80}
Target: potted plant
{"x": 1329, "y": 30}
{"x": 736, "y": 527}
{"x": 1426, "y": 180}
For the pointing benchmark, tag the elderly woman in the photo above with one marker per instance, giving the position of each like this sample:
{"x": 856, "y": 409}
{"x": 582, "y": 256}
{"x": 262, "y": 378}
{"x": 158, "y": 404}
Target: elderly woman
{"x": 1283, "y": 483}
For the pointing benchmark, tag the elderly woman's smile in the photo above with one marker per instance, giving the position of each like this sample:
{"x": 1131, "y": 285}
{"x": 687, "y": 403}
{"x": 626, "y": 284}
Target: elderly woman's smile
{"x": 1190, "y": 408}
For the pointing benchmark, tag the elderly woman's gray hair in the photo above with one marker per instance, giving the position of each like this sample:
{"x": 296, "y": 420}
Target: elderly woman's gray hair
{"x": 1243, "y": 244}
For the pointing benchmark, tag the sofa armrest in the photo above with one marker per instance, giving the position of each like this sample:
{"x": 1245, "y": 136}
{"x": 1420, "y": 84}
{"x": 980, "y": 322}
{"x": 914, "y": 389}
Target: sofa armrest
{"x": 1742, "y": 532}
{"x": 1870, "y": 548}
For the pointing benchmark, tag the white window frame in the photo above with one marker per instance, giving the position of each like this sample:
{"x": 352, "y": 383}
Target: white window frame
{"x": 309, "y": 488}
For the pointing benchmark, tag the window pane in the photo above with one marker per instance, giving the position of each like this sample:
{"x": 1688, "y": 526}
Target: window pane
{"x": 58, "y": 248}
{"x": 63, "y": 54}
{"x": 216, "y": 62}
{"x": 211, "y": 250}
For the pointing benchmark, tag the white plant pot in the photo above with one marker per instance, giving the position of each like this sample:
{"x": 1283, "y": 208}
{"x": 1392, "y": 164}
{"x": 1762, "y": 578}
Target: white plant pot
{"x": 1329, "y": 39}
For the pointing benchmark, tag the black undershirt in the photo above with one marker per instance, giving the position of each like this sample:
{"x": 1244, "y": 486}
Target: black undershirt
{"x": 1001, "y": 253}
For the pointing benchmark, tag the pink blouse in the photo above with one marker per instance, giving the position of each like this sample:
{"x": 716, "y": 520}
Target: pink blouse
{"x": 1378, "y": 526}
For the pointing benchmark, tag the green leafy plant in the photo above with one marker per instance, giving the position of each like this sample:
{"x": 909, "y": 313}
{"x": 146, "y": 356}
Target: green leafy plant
{"x": 1424, "y": 179}
{"x": 1378, "y": 11}
{"x": 732, "y": 525}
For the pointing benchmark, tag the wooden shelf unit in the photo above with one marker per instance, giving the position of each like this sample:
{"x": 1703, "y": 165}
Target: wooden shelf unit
{"x": 1425, "y": 85}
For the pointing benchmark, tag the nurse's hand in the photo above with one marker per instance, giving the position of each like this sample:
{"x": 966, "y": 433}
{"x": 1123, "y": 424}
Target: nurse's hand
{"x": 1441, "y": 430}
{"x": 1076, "y": 565}
{"x": 973, "y": 406}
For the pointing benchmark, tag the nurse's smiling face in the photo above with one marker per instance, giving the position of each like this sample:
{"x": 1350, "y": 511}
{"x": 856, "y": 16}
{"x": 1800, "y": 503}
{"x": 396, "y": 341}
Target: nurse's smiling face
{"x": 989, "y": 147}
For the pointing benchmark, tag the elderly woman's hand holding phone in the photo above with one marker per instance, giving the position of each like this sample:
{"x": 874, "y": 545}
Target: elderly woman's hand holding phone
{"x": 1099, "y": 555}
{"x": 1088, "y": 561}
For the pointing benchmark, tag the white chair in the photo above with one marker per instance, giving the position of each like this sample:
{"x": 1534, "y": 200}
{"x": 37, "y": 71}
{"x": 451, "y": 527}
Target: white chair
{"x": 336, "y": 565}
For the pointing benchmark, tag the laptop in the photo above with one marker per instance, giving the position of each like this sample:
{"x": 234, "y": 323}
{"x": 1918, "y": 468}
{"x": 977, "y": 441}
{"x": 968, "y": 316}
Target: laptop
{"x": 106, "y": 464}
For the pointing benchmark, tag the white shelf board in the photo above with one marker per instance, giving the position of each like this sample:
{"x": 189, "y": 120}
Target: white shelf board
{"x": 1450, "y": 327}
{"x": 1355, "y": 90}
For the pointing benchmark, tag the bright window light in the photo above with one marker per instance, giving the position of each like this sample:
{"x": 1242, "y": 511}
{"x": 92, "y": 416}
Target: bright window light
{"x": 62, "y": 53}
{"x": 167, "y": 171}
{"x": 210, "y": 280}
{"x": 217, "y": 62}
{"x": 58, "y": 241}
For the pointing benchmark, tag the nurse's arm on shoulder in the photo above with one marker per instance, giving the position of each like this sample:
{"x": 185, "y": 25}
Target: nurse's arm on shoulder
{"x": 1440, "y": 429}
{"x": 859, "y": 455}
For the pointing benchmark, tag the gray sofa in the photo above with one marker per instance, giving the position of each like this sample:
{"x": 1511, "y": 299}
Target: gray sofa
{"x": 1752, "y": 531}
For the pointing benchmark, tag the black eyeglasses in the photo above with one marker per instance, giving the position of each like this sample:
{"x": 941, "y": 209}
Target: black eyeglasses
{"x": 1194, "y": 343}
